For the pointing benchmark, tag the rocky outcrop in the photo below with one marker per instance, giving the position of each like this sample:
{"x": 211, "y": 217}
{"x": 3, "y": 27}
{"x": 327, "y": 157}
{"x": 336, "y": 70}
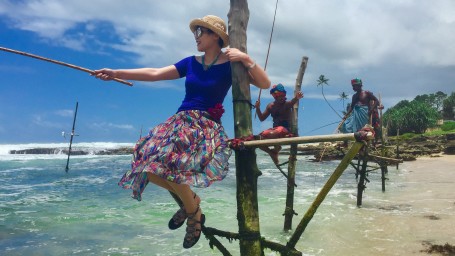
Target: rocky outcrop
{"x": 37, "y": 151}
{"x": 117, "y": 151}
{"x": 450, "y": 144}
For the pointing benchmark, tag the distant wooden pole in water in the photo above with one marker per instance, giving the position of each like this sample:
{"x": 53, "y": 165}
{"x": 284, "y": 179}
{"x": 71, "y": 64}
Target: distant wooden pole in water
{"x": 289, "y": 210}
{"x": 60, "y": 63}
{"x": 398, "y": 145}
{"x": 71, "y": 139}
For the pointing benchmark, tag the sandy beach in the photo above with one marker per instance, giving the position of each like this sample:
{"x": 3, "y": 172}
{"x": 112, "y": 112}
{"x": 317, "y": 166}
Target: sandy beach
{"x": 429, "y": 189}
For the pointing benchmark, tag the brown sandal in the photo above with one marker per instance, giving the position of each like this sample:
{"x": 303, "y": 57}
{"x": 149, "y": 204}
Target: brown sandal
{"x": 190, "y": 237}
{"x": 179, "y": 217}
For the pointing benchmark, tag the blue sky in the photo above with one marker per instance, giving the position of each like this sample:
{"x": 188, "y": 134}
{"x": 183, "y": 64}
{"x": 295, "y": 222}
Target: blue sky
{"x": 400, "y": 49}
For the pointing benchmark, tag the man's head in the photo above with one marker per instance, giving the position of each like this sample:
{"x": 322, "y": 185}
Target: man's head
{"x": 356, "y": 84}
{"x": 278, "y": 92}
{"x": 356, "y": 81}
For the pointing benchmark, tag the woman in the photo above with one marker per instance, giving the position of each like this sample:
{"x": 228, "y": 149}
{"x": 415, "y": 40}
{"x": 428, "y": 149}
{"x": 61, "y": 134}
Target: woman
{"x": 190, "y": 148}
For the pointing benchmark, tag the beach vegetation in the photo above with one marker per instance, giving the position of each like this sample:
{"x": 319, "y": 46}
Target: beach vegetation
{"x": 448, "y": 107}
{"x": 421, "y": 114}
{"x": 344, "y": 97}
{"x": 410, "y": 117}
{"x": 448, "y": 126}
{"x": 435, "y": 100}
{"x": 407, "y": 136}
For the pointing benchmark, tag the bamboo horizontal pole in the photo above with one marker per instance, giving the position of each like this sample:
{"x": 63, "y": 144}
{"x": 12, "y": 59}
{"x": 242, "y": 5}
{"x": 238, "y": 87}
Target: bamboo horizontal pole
{"x": 304, "y": 139}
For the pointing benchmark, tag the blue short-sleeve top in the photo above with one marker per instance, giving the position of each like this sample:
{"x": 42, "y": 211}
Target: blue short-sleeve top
{"x": 203, "y": 88}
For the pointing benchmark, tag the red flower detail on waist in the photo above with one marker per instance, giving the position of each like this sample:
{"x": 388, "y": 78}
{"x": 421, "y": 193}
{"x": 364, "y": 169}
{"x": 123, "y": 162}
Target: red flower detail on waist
{"x": 216, "y": 112}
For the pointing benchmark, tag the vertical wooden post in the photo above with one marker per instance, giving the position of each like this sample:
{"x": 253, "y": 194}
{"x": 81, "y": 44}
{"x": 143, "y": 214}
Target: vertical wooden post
{"x": 363, "y": 156}
{"x": 245, "y": 160}
{"x": 289, "y": 210}
{"x": 71, "y": 139}
{"x": 383, "y": 165}
{"x": 398, "y": 145}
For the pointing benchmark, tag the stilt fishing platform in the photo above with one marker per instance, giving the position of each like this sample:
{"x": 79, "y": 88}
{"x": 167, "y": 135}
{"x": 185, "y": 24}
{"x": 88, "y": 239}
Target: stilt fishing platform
{"x": 251, "y": 242}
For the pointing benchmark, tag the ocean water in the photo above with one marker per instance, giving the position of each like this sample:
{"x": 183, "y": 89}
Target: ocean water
{"x": 46, "y": 211}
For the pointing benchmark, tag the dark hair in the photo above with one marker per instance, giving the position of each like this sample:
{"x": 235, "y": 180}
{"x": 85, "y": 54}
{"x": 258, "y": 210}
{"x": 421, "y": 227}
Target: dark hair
{"x": 220, "y": 41}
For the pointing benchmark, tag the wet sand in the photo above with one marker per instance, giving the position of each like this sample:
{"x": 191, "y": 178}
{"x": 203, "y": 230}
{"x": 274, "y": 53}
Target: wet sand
{"x": 428, "y": 192}
{"x": 416, "y": 210}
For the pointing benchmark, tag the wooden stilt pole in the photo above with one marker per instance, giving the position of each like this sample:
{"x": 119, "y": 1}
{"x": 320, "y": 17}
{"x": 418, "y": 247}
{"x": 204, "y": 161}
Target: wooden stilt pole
{"x": 362, "y": 175}
{"x": 289, "y": 210}
{"x": 398, "y": 146}
{"x": 247, "y": 172}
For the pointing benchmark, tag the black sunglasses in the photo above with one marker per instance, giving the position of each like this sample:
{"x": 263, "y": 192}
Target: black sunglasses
{"x": 199, "y": 31}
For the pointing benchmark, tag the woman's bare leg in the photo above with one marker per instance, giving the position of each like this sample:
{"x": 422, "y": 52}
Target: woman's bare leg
{"x": 160, "y": 182}
{"x": 186, "y": 195}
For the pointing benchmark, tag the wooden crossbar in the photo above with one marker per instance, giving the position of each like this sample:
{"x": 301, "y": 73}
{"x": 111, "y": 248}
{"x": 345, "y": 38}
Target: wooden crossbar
{"x": 388, "y": 159}
{"x": 304, "y": 139}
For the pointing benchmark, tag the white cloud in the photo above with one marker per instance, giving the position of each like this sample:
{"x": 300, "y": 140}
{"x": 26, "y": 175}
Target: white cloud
{"x": 42, "y": 121}
{"x": 386, "y": 43}
{"x": 64, "y": 112}
{"x": 354, "y": 32}
{"x": 107, "y": 126}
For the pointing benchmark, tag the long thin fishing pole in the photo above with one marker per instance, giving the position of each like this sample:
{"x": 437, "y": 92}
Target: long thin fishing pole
{"x": 321, "y": 127}
{"x": 60, "y": 63}
{"x": 71, "y": 139}
{"x": 271, "y": 35}
{"x": 268, "y": 50}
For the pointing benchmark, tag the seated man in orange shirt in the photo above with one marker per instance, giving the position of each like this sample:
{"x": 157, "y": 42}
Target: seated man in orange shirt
{"x": 281, "y": 110}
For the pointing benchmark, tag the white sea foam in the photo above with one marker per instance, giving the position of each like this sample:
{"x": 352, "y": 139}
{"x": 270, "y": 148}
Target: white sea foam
{"x": 26, "y": 187}
{"x": 20, "y": 169}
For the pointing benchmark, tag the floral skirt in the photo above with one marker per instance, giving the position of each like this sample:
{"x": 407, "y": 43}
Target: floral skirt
{"x": 188, "y": 148}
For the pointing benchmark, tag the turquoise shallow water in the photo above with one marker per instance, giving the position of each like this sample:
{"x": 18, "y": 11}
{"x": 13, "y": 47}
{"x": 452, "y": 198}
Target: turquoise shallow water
{"x": 45, "y": 211}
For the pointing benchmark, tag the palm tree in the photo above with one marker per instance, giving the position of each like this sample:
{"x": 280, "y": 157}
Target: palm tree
{"x": 321, "y": 81}
{"x": 343, "y": 97}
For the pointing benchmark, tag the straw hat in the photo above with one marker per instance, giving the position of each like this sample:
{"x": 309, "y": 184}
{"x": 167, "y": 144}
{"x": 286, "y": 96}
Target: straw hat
{"x": 214, "y": 23}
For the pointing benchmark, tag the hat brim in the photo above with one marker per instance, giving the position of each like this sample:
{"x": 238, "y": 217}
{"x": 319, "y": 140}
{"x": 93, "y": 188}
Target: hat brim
{"x": 200, "y": 23}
